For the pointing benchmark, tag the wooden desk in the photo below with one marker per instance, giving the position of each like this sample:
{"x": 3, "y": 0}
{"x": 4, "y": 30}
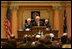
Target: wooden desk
{"x": 36, "y": 29}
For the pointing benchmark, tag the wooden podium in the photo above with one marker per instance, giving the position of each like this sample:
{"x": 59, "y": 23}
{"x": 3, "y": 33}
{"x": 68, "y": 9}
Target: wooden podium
{"x": 36, "y": 29}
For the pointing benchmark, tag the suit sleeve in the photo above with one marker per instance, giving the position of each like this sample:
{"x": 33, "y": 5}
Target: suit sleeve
{"x": 25, "y": 27}
{"x": 49, "y": 26}
{"x": 30, "y": 26}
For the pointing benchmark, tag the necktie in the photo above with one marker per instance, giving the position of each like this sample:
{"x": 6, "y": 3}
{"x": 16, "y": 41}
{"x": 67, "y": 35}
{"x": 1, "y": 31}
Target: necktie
{"x": 38, "y": 24}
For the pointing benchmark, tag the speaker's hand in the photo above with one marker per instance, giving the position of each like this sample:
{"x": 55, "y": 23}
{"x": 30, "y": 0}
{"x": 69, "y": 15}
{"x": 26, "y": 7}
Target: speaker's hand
{"x": 47, "y": 29}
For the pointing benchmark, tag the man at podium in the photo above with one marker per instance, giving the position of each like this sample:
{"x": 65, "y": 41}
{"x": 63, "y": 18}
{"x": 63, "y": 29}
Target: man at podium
{"x": 38, "y": 22}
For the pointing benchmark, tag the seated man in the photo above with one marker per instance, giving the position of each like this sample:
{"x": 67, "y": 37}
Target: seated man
{"x": 37, "y": 22}
{"x": 48, "y": 27}
{"x": 28, "y": 25}
{"x": 12, "y": 42}
{"x": 28, "y": 42}
{"x": 64, "y": 38}
{"x": 52, "y": 36}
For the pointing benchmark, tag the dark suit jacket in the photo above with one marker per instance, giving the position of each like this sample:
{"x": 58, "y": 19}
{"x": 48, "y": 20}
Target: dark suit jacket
{"x": 64, "y": 39}
{"x": 40, "y": 22}
{"x": 48, "y": 26}
{"x": 28, "y": 26}
{"x": 11, "y": 43}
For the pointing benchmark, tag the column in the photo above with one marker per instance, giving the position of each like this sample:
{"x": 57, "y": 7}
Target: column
{"x": 50, "y": 16}
{"x": 20, "y": 14}
{"x": 61, "y": 21}
{"x": 14, "y": 20}
{"x": 3, "y": 15}
{"x": 68, "y": 14}
{"x": 57, "y": 19}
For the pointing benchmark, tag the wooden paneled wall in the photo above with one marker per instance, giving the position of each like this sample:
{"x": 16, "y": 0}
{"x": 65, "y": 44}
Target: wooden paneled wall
{"x": 22, "y": 14}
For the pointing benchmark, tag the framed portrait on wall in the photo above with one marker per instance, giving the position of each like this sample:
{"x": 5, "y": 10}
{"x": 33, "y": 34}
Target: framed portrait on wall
{"x": 34, "y": 14}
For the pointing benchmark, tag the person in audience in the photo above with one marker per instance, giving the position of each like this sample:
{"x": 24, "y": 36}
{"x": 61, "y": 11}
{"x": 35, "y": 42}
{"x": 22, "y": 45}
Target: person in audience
{"x": 28, "y": 43}
{"x": 11, "y": 42}
{"x": 64, "y": 38}
{"x": 28, "y": 25}
{"x": 48, "y": 38}
{"x": 49, "y": 42}
{"x": 44, "y": 42}
{"x": 55, "y": 44}
{"x": 37, "y": 22}
{"x": 52, "y": 36}
{"x": 39, "y": 44}
{"x": 4, "y": 45}
{"x": 23, "y": 42}
{"x": 24, "y": 39}
{"x": 48, "y": 26}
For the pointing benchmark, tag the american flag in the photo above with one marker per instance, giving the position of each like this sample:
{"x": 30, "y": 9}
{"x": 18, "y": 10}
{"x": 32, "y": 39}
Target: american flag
{"x": 7, "y": 24}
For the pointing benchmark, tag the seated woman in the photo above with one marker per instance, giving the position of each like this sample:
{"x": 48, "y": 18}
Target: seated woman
{"x": 28, "y": 25}
{"x": 48, "y": 26}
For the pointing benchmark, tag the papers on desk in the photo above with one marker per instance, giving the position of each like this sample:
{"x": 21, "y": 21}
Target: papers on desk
{"x": 38, "y": 36}
{"x": 27, "y": 29}
{"x": 51, "y": 34}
